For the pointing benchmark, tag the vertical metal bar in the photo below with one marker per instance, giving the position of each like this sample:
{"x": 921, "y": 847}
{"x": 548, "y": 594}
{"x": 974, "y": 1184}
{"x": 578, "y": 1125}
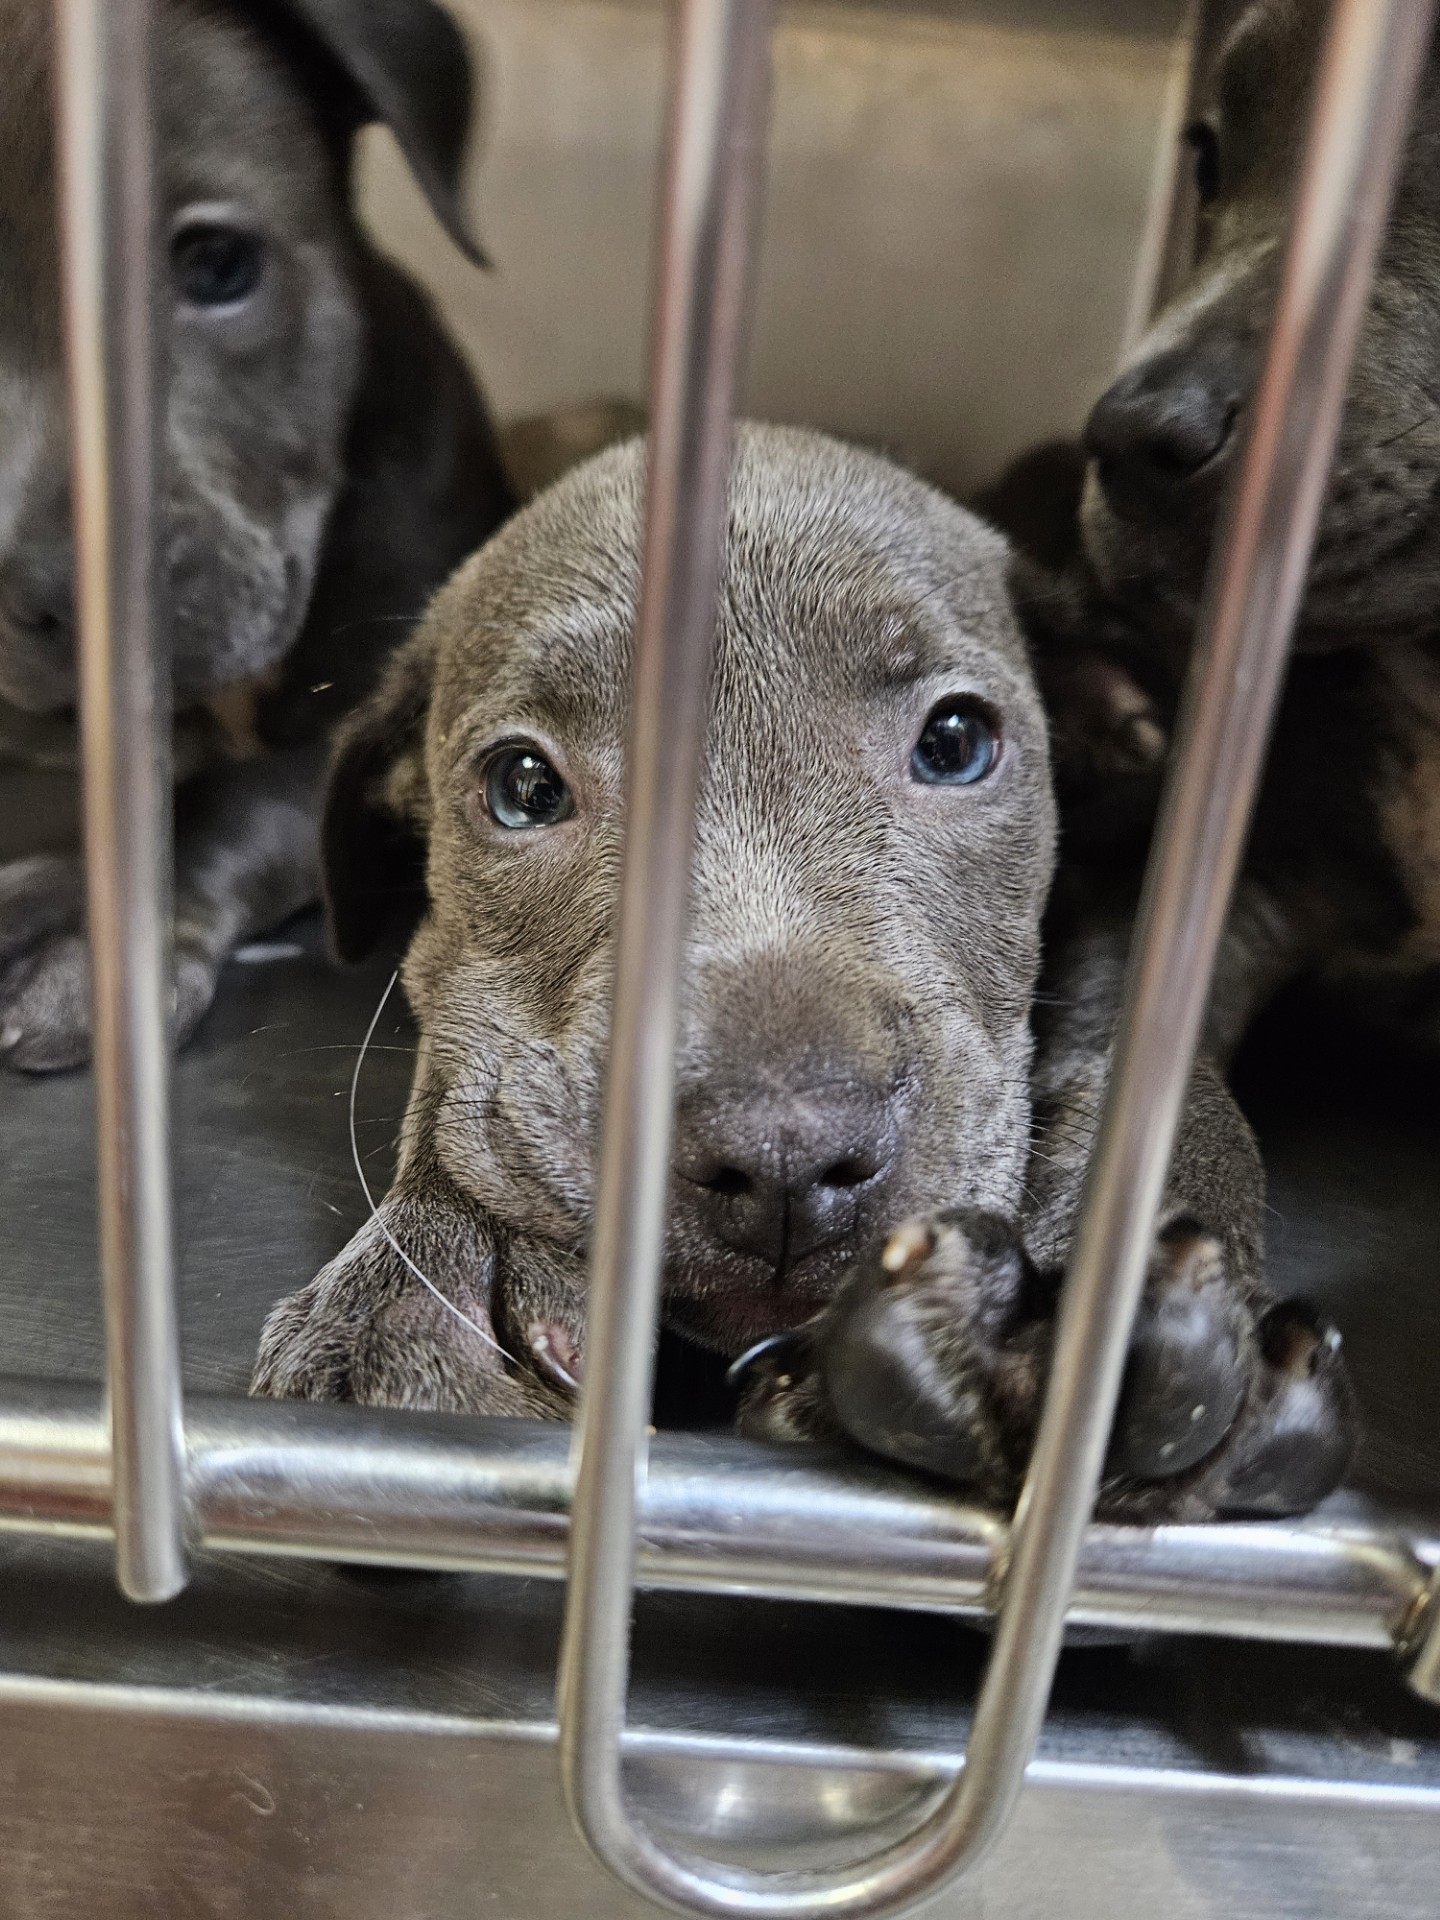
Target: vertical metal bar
{"x": 104, "y": 153}
{"x": 1372, "y": 58}
{"x": 714, "y": 163}
{"x": 1370, "y": 65}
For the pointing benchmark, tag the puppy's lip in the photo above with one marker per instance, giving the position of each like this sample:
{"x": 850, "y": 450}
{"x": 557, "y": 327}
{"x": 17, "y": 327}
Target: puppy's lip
{"x": 733, "y": 1310}
{"x": 557, "y": 1356}
{"x": 731, "y": 1323}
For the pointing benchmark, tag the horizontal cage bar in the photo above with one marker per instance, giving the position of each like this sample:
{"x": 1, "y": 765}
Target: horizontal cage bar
{"x": 716, "y": 1515}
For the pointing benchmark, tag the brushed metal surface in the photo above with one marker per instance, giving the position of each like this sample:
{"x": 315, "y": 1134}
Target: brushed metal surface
{"x": 297, "y": 1741}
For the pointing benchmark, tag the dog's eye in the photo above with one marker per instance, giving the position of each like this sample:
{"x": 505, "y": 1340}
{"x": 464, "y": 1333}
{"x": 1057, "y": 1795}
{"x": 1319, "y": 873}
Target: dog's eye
{"x": 215, "y": 265}
{"x": 958, "y": 745}
{"x": 1204, "y": 143}
{"x": 522, "y": 789}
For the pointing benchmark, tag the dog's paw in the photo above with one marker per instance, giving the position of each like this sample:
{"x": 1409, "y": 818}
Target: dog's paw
{"x": 368, "y": 1330}
{"x": 44, "y": 965}
{"x": 936, "y": 1355}
{"x": 45, "y": 1003}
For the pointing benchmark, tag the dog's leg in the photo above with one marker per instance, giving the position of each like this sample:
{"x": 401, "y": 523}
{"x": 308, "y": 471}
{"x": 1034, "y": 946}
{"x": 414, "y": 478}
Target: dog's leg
{"x": 245, "y": 858}
{"x": 936, "y": 1354}
{"x": 370, "y": 1329}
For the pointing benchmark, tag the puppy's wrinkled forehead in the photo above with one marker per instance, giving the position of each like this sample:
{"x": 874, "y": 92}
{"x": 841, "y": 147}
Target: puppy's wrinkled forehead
{"x": 839, "y": 569}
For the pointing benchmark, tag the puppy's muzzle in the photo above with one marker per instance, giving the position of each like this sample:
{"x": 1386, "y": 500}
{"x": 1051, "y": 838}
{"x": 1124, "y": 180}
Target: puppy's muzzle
{"x": 1161, "y": 434}
{"x": 782, "y": 1176}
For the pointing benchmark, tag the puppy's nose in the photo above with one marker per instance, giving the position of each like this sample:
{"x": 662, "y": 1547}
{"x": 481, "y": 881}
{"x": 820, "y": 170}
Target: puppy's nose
{"x": 782, "y": 1178}
{"x": 1162, "y": 425}
{"x": 37, "y": 594}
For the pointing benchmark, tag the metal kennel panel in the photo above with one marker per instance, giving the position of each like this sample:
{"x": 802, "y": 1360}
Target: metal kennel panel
{"x": 708, "y": 1516}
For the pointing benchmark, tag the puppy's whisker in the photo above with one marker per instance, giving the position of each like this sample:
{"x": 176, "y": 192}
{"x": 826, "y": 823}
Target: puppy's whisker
{"x": 375, "y": 1213}
{"x": 378, "y": 620}
{"x": 1405, "y": 432}
{"x": 344, "y": 1046}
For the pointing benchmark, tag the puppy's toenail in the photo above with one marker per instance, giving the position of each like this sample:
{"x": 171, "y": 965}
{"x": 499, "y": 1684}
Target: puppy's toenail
{"x": 1197, "y": 1413}
{"x": 11, "y": 1036}
{"x": 907, "y": 1247}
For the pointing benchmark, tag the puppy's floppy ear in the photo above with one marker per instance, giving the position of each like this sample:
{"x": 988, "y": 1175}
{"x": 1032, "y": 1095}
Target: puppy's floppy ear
{"x": 372, "y": 832}
{"x": 407, "y": 63}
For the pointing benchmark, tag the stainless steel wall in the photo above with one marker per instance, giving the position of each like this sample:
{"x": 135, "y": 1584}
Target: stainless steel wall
{"x": 958, "y": 207}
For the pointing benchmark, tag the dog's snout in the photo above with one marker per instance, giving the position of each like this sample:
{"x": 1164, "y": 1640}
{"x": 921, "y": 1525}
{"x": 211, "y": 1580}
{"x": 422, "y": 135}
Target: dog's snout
{"x": 1160, "y": 426}
{"x": 781, "y": 1177}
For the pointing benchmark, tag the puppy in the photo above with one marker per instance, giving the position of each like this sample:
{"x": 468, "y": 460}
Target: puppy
{"x": 874, "y": 856}
{"x": 1342, "y": 876}
{"x": 326, "y": 460}
{"x": 1163, "y": 440}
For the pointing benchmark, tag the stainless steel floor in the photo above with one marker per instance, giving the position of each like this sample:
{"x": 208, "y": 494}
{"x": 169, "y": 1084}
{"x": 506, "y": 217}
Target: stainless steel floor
{"x": 313, "y": 1741}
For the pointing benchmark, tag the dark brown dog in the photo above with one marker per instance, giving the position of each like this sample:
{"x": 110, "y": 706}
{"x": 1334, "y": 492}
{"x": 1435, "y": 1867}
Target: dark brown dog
{"x": 1342, "y": 877}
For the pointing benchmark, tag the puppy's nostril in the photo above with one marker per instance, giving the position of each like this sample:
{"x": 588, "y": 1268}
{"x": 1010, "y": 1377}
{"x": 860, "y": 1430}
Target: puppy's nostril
{"x": 729, "y": 1181}
{"x": 849, "y": 1172}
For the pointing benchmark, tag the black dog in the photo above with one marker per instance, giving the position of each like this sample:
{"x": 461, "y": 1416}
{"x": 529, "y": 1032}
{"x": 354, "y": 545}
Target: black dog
{"x": 326, "y": 459}
{"x": 1341, "y": 880}
{"x": 1343, "y": 871}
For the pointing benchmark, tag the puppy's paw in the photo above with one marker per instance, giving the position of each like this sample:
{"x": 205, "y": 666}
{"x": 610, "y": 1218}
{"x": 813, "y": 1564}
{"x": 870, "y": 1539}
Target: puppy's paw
{"x": 368, "y": 1330}
{"x": 45, "y": 1003}
{"x": 1232, "y": 1403}
{"x": 44, "y": 965}
{"x": 936, "y": 1355}
{"x": 1297, "y": 1429}
{"x": 932, "y": 1356}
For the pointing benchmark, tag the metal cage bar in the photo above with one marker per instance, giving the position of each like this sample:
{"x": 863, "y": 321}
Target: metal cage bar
{"x": 1369, "y": 68}
{"x": 715, "y": 147}
{"x": 106, "y": 188}
{"x": 717, "y": 1514}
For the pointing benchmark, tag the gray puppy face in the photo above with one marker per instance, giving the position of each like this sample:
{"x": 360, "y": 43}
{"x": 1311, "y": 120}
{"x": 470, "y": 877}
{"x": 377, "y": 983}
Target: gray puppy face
{"x": 262, "y": 330}
{"x": 864, "y": 938}
{"x": 1164, "y": 438}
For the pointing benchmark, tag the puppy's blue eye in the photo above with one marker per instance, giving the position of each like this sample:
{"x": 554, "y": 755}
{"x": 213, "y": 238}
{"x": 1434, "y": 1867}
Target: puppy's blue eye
{"x": 522, "y": 789}
{"x": 958, "y": 745}
{"x": 214, "y": 265}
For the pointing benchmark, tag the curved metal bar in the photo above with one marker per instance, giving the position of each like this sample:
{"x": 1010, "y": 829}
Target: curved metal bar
{"x": 1371, "y": 61}
{"x": 714, "y": 160}
{"x": 104, "y": 140}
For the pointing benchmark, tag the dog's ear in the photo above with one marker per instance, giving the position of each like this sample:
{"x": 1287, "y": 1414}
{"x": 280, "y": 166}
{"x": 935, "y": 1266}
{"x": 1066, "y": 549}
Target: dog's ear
{"x": 372, "y": 833}
{"x": 405, "y": 62}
